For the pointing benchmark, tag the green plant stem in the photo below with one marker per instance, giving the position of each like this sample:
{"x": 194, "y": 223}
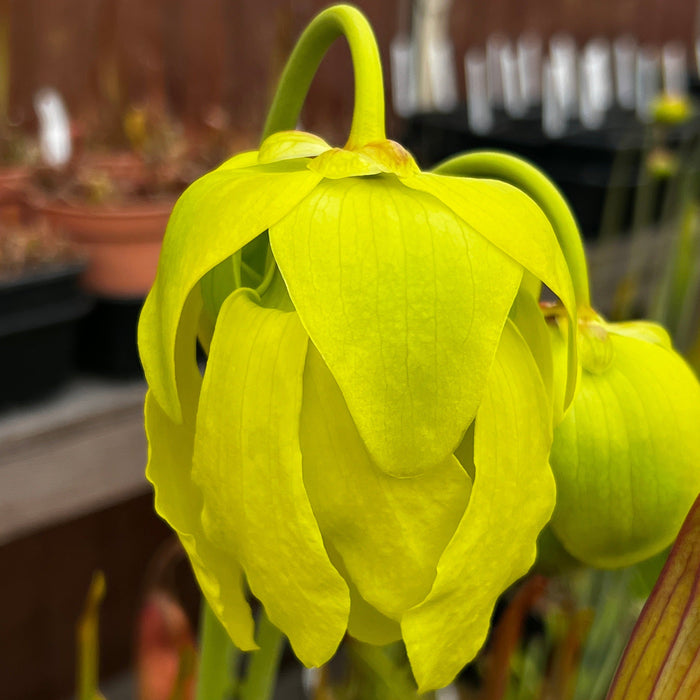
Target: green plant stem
{"x": 261, "y": 677}
{"x": 217, "y": 676}
{"x": 537, "y": 186}
{"x": 621, "y": 174}
{"x": 368, "y": 114}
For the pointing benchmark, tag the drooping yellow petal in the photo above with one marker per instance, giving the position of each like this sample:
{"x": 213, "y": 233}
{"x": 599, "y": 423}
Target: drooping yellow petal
{"x": 178, "y": 500}
{"x": 240, "y": 160}
{"x": 512, "y": 498}
{"x": 389, "y": 532}
{"x": 215, "y": 217}
{"x": 406, "y": 303}
{"x": 248, "y": 465}
{"x": 365, "y": 623}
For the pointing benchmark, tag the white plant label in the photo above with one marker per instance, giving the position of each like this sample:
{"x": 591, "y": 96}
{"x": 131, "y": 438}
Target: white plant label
{"x": 54, "y": 127}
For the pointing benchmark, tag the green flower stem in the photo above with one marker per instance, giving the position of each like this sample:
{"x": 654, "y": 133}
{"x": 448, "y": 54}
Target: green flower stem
{"x": 260, "y": 680}
{"x": 533, "y": 182}
{"x": 368, "y": 115}
{"x": 217, "y": 676}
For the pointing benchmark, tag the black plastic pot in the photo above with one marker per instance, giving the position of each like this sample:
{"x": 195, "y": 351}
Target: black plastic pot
{"x": 581, "y": 162}
{"x": 107, "y": 338}
{"x": 39, "y": 312}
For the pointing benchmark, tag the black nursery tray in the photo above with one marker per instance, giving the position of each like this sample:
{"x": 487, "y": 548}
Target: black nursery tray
{"x": 39, "y": 310}
{"x": 107, "y": 339}
{"x": 580, "y": 162}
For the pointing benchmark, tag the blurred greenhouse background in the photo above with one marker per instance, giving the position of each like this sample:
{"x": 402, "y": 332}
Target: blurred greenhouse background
{"x": 109, "y": 108}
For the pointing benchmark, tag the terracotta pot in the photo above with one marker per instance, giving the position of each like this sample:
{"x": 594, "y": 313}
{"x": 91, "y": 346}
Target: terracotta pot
{"x": 119, "y": 165}
{"x": 14, "y": 177}
{"x": 122, "y": 244}
{"x": 14, "y": 181}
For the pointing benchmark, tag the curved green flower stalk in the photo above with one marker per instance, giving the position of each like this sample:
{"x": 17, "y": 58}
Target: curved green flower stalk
{"x": 368, "y": 445}
{"x": 626, "y": 456}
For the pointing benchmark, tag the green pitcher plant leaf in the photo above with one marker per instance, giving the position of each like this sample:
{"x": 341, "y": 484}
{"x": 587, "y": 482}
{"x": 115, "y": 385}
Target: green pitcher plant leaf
{"x": 661, "y": 658}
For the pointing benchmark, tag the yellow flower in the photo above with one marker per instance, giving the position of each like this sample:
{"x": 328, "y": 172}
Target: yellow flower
{"x": 368, "y": 445}
{"x": 671, "y": 109}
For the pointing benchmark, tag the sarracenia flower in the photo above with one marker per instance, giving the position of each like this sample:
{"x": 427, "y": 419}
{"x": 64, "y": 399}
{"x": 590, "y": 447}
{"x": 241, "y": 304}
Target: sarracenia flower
{"x": 368, "y": 444}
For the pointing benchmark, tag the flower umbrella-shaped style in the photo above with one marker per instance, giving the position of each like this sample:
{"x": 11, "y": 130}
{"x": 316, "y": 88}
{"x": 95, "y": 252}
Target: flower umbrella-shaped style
{"x": 369, "y": 442}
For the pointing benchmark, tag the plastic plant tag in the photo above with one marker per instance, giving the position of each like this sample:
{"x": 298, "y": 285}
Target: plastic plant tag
{"x": 529, "y": 51}
{"x": 513, "y": 99}
{"x": 478, "y": 106}
{"x": 673, "y": 65}
{"x": 647, "y": 81}
{"x": 403, "y": 75}
{"x": 54, "y": 127}
{"x": 563, "y": 57}
{"x": 661, "y": 658}
{"x": 554, "y": 116}
{"x": 624, "y": 57}
{"x": 494, "y": 76}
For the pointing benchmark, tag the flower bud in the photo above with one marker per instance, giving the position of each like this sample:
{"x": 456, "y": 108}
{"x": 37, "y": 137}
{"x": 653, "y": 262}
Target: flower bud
{"x": 626, "y": 457}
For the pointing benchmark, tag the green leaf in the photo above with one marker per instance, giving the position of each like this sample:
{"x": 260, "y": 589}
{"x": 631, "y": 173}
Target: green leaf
{"x": 626, "y": 455}
{"x": 178, "y": 500}
{"x": 248, "y": 464}
{"x": 512, "y": 498}
{"x": 215, "y": 217}
{"x": 389, "y": 532}
{"x": 661, "y": 658}
{"x": 405, "y": 303}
